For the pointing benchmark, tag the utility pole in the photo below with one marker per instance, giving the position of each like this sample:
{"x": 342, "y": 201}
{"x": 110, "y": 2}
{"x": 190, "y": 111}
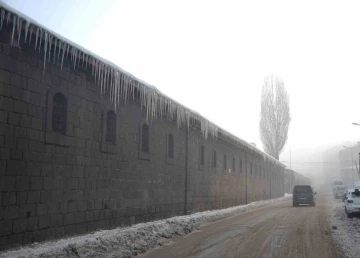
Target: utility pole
{"x": 290, "y": 156}
{"x": 352, "y": 167}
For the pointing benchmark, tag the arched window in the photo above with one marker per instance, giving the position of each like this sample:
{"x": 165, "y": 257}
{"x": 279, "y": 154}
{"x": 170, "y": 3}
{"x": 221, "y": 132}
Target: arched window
{"x": 225, "y": 165}
{"x": 170, "y": 146}
{"x": 233, "y": 164}
{"x": 202, "y": 155}
{"x": 145, "y": 138}
{"x": 59, "y": 114}
{"x": 111, "y": 127}
{"x": 214, "y": 159}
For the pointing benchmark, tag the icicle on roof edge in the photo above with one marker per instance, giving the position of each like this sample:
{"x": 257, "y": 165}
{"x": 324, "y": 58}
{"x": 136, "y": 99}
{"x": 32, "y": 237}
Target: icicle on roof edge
{"x": 119, "y": 82}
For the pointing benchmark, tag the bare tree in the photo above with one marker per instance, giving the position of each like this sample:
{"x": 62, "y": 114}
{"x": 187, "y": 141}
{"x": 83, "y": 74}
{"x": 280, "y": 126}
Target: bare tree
{"x": 275, "y": 116}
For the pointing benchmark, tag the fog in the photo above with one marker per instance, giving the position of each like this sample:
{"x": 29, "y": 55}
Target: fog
{"x": 213, "y": 58}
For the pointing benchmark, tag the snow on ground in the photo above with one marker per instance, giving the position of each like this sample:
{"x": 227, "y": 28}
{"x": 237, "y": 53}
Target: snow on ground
{"x": 347, "y": 234}
{"x": 130, "y": 241}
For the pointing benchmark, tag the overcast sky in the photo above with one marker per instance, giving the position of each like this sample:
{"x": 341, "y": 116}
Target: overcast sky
{"x": 213, "y": 56}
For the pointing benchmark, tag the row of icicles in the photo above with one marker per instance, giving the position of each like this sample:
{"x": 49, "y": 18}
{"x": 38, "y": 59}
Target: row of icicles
{"x": 119, "y": 84}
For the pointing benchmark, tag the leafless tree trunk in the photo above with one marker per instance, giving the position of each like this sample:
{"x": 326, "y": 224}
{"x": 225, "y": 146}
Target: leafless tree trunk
{"x": 275, "y": 116}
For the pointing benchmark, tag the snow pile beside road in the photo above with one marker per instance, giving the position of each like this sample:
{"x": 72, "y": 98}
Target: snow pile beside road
{"x": 130, "y": 241}
{"x": 347, "y": 234}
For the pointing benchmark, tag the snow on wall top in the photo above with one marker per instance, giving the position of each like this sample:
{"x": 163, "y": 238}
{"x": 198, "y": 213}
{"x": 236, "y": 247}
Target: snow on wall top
{"x": 109, "y": 76}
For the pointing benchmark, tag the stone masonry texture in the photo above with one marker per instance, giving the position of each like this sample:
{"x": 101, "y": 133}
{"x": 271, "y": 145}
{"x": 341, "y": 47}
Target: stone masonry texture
{"x": 54, "y": 185}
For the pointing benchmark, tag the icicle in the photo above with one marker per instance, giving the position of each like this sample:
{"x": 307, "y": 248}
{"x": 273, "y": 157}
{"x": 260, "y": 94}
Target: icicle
{"x": 75, "y": 54}
{"x": 27, "y": 25}
{"x": 2, "y": 17}
{"x": 87, "y": 61}
{"x": 41, "y": 39}
{"x": 36, "y": 37}
{"x": 116, "y": 87}
{"x": 82, "y": 59}
{"x": 19, "y": 28}
{"x": 67, "y": 49}
{"x": 8, "y": 18}
{"x": 13, "y": 30}
{"x": 55, "y": 45}
{"x": 59, "y": 49}
{"x": 50, "y": 38}
{"x": 63, "y": 53}
{"x": 30, "y": 33}
{"x": 45, "y": 49}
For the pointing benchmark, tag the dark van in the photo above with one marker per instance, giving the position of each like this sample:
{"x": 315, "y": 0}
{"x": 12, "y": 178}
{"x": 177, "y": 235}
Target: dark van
{"x": 303, "y": 194}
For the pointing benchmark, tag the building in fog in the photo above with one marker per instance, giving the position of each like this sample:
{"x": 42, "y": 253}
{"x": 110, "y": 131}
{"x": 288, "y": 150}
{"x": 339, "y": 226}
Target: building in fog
{"x": 349, "y": 164}
{"x": 292, "y": 178}
{"x": 331, "y": 165}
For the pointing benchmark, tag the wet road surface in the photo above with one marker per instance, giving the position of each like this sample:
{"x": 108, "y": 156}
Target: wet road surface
{"x": 278, "y": 230}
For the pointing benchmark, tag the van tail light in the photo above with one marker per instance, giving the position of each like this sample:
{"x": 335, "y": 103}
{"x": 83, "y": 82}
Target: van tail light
{"x": 350, "y": 201}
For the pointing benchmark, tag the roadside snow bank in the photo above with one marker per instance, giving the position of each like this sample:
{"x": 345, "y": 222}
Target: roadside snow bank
{"x": 347, "y": 234}
{"x": 130, "y": 241}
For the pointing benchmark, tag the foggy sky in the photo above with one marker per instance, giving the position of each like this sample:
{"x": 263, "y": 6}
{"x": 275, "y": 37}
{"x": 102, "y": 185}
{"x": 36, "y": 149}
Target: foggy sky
{"x": 213, "y": 56}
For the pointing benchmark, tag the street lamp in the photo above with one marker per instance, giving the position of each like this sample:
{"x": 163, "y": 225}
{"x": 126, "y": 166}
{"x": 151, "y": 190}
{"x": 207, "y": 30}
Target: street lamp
{"x": 358, "y": 169}
{"x": 352, "y": 163}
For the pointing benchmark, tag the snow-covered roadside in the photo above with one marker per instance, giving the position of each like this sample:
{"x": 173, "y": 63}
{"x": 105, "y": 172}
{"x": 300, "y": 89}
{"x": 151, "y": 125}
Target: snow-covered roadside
{"x": 127, "y": 242}
{"x": 346, "y": 235}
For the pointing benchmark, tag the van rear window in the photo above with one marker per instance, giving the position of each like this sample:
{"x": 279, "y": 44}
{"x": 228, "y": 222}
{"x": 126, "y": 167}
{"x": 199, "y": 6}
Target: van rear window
{"x": 341, "y": 187}
{"x": 302, "y": 189}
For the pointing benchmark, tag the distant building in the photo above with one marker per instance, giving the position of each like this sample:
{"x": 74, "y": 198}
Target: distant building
{"x": 331, "y": 165}
{"x": 292, "y": 178}
{"x": 349, "y": 164}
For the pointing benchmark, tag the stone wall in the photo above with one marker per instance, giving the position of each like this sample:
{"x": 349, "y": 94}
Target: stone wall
{"x": 54, "y": 185}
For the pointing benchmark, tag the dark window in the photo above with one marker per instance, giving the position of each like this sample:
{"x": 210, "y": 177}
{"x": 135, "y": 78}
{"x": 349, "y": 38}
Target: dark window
{"x": 251, "y": 169}
{"x": 202, "y": 155}
{"x": 225, "y": 165}
{"x": 59, "y": 114}
{"x": 240, "y": 166}
{"x": 111, "y": 127}
{"x": 233, "y": 164}
{"x": 214, "y": 159}
{"x": 171, "y": 146}
{"x": 255, "y": 175}
{"x": 145, "y": 138}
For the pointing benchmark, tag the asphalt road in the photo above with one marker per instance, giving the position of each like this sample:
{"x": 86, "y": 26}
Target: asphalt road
{"x": 277, "y": 230}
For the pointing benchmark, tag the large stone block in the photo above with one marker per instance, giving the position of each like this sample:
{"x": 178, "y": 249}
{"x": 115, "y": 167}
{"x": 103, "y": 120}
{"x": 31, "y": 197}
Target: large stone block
{"x": 13, "y": 118}
{"x": 7, "y": 183}
{"x": 20, "y": 225}
{"x": 5, "y": 228}
{"x": 6, "y": 104}
{"x": 6, "y": 130}
{"x": 11, "y": 212}
{"x": 16, "y": 167}
{"x": 22, "y": 183}
{"x": 3, "y": 116}
{"x": 9, "y": 198}
{"x": 43, "y": 222}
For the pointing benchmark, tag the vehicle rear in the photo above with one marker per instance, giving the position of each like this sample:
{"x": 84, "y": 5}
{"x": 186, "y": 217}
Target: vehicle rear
{"x": 336, "y": 182}
{"x": 303, "y": 194}
{"x": 339, "y": 190}
{"x": 352, "y": 202}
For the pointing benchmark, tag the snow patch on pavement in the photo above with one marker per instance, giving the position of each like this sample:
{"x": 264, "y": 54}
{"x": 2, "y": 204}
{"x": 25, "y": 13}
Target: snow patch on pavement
{"x": 130, "y": 241}
{"x": 347, "y": 234}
